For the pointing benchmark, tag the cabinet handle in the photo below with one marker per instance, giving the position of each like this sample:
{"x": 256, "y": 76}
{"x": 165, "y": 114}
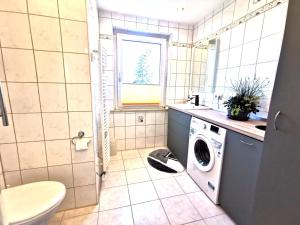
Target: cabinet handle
{"x": 275, "y": 120}
{"x": 246, "y": 143}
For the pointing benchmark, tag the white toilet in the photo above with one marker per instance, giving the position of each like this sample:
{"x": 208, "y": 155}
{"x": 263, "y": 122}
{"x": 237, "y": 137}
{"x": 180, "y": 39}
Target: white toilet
{"x": 31, "y": 204}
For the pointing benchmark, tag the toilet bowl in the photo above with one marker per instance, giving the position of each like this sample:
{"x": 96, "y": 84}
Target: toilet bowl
{"x": 31, "y": 204}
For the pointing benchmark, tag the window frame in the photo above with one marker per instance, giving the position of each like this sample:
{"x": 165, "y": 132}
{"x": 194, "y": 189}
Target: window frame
{"x": 127, "y": 35}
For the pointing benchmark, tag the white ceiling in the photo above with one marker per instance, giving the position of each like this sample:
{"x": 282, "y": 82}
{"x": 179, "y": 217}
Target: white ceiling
{"x": 193, "y": 10}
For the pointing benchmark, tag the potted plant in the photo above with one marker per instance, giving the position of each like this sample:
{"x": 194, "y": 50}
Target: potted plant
{"x": 246, "y": 99}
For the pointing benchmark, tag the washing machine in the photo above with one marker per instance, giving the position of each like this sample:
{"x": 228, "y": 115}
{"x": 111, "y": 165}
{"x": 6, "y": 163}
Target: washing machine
{"x": 205, "y": 156}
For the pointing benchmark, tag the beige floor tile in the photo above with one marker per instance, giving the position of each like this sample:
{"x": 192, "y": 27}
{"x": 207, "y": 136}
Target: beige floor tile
{"x": 200, "y": 222}
{"x": 149, "y": 213}
{"x": 205, "y": 207}
{"x": 114, "y": 179}
{"x": 156, "y": 174}
{"x": 115, "y": 165}
{"x": 115, "y": 197}
{"x": 89, "y": 219}
{"x": 56, "y": 219}
{"x": 121, "y": 216}
{"x": 80, "y": 211}
{"x": 187, "y": 184}
{"x": 117, "y": 156}
{"x": 142, "y": 192}
{"x": 219, "y": 220}
{"x": 145, "y": 152}
{"x": 130, "y": 154}
{"x": 180, "y": 174}
{"x": 145, "y": 161}
{"x": 133, "y": 163}
{"x": 180, "y": 210}
{"x": 167, "y": 187}
{"x": 137, "y": 175}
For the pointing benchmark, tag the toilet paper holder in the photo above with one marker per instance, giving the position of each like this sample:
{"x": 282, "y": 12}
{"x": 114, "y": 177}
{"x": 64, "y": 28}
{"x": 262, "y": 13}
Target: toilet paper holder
{"x": 79, "y": 136}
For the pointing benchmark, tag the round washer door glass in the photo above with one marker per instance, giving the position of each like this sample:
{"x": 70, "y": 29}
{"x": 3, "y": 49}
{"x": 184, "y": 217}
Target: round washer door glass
{"x": 203, "y": 153}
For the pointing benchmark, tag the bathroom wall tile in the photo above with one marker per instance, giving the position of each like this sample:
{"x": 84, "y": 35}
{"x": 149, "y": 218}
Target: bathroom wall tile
{"x": 53, "y": 97}
{"x": 119, "y": 119}
{"x": 58, "y": 152}
{"x": 13, "y": 178}
{"x": 34, "y": 175}
{"x": 9, "y": 156}
{"x": 79, "y": 100}
{"x": 45, "y": 7}
{"x": 69, "y": 201}
{"x": 234, "y": 57}
{"x": 13, "y": 5}
{"x": 228, "y": 15}
{"x": 33, "y": 124}
{"x": 7, "y": 134}
{"x": 25, "y": 101}
{"x": 69, "y": 9}
{"x": 130, "y": 132}
{"x": 85, "y": 155}
{"x": 77, "y": 68}
{"x": 150, "y": 131}
{"x": 241, "y": 7}
{"x": 49, "y": 66}
{"x": 32, "y": 155}
{"x": 270, "y": 48}
{"x": 159, "y": 130}
{"x": 63, "y": 174}
{"x": 130, "y": 143}
{"x": 150, "y": 118}
{"x": 74, "y": 36}
{"x": 81, "y": 121}
{"x": 254, "y": 28}
{"x": 45, "y": 33}
{"x": 120, "y": 132}
{"x": 85, "y": 195}
{"x": 130, "y": 119}
{"x": 159, "y": 141}
{"x": 14, "y": 30}
{"x": 56, "y": 126}
{"x": 160, "y": 117}
{"x": 80, "y": 174}
{"x": 140, "y": 131}
{"x": 150, "y": 141}
{"x": 225, "y": 40}
{"x": 250, "y": 52}
{"x": 237, "y": 35}
{"x": 275, "y": 16}
{"x": 25, "y": 71}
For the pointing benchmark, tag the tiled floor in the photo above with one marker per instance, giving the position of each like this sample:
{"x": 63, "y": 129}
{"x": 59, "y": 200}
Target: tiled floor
{"x": 133, "y": 193}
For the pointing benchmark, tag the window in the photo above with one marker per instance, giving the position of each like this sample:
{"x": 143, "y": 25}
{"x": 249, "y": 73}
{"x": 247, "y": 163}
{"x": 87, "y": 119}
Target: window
{"x": 141, "y": 69}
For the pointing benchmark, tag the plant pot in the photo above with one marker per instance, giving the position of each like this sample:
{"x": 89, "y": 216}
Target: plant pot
{"x": 242, "y": 116}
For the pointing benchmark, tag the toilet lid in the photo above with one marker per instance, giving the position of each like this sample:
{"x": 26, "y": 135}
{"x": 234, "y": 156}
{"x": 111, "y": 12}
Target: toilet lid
{"x": 27, "y": 201}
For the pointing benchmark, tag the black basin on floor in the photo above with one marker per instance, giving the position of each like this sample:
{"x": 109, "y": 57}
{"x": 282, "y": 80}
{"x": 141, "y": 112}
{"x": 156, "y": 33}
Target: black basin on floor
{"x": 261, "y": 127}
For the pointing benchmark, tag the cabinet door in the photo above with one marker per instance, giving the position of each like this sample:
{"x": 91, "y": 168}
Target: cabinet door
{"x": 178, "y": 134}
{"x": 239, "y": 174}
{"x": 278, "y": 186}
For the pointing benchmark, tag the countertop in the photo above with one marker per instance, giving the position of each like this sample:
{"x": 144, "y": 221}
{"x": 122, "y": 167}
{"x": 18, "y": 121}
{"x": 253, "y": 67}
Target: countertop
{"x": 218, "y": 118}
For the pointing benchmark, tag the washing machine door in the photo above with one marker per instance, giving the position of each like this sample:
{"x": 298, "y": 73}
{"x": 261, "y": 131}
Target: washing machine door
{"x": 203, "y": 154}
